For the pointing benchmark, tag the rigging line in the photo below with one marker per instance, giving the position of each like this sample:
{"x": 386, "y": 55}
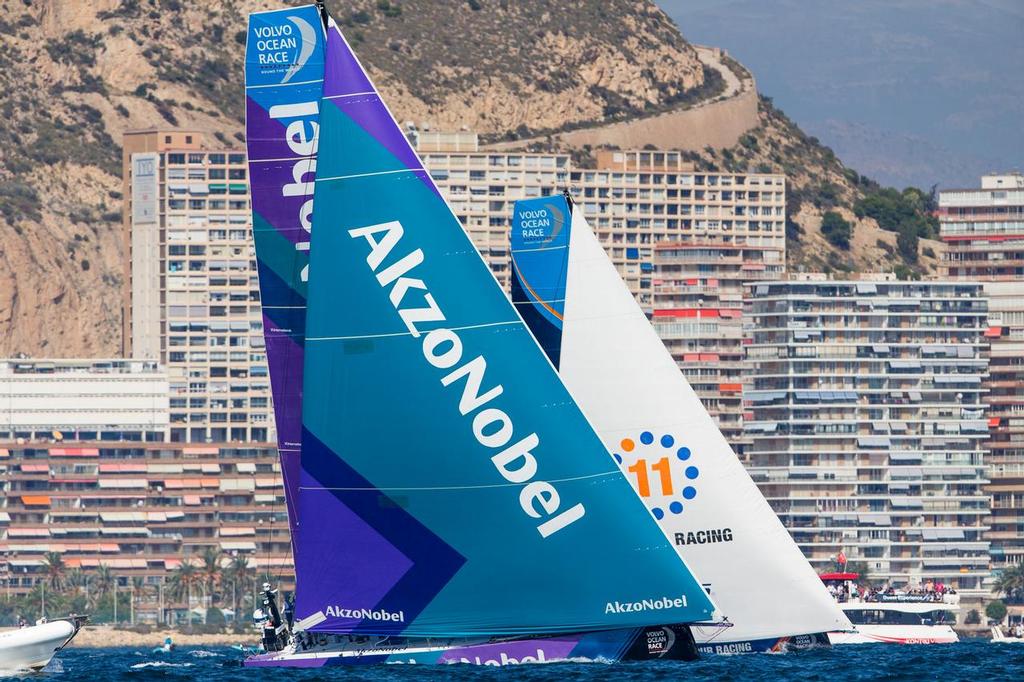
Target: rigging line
{"x": 392, "y": 334}
{"x": 613, "y": 472}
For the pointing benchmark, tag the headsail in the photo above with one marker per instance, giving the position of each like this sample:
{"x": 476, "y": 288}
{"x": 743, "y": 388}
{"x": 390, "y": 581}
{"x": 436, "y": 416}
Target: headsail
{"x": 284, "y": 70}
{"x": 450, "y": 485}
{"x": 669, "y": 446}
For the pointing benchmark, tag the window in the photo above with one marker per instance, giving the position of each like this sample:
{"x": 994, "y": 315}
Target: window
{"x": 175, "y": 158}
{"x": 167, "y": 139}
{"x": 188, "y": 139}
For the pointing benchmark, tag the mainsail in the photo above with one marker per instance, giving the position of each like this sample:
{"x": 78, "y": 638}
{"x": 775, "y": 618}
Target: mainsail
{"x": 450, "y": 485}
{"x": 645, "y": 411}
{"x": 284, "y": 71}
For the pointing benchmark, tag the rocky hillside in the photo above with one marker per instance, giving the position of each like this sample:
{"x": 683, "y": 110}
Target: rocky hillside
{"x": 77, "y": 73}
{"x": 837, "y": 220}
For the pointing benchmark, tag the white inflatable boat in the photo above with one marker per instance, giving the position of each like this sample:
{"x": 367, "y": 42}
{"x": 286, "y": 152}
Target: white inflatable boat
{"x": 31, "y": 648}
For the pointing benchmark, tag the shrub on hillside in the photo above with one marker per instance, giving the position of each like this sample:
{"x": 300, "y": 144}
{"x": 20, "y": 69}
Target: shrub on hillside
{"x": 837, "y": 229}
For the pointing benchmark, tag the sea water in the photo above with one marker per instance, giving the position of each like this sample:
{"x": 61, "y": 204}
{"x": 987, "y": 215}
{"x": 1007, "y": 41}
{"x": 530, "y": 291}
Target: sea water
{"x": 974, "y": 661}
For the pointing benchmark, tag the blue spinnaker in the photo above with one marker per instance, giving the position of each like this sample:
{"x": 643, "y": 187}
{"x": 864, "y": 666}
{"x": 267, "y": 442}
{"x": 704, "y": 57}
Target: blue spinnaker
{"x": 540, "y": 256}
{"x": 450, "y": 485}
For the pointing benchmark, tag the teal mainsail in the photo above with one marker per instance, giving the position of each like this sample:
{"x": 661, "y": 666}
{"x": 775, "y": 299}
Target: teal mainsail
{"x": 450, "y": 485}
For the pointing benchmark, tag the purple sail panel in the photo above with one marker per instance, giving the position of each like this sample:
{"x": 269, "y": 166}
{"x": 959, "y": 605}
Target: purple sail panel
{"x": 284, "y": 82}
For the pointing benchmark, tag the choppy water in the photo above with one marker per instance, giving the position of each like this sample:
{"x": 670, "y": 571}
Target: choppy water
{"x": 974, "y": 661}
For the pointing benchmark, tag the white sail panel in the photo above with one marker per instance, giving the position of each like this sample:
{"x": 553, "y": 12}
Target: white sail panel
{"x": 672, "y": 451}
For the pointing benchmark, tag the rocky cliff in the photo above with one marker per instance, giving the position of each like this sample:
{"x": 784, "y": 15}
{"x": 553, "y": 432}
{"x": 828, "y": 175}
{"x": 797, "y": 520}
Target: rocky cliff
{"x": 77, "y": 73}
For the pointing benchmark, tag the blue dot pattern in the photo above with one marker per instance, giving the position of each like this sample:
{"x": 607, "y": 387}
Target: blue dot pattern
{"x": 646, "y": 437}
{"x": 683, "y": 453}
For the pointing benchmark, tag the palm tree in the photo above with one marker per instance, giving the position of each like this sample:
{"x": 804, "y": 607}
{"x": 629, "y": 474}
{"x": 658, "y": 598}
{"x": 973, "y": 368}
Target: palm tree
{"x": 1011, "y": 583}
{"x": 212, "y": 572}
{"x": 103, "y": 580}
{"x": 239, "y": 573}
{"x": 181, "y": 582}
{"x": 55, "y": 569}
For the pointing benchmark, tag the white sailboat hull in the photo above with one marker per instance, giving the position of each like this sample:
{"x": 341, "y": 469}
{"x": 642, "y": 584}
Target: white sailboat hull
{"x": 896, "y": 634}
{"x": 31, "y": 648}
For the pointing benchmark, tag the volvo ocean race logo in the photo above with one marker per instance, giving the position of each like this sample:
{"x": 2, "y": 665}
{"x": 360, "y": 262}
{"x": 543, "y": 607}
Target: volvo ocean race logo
{"x": 540, "y": 226}
{"x": 663, "y": 473}
{"x": 284, "y": 48}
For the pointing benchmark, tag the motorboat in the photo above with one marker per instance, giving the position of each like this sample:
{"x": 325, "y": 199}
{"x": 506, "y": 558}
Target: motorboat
{"x": 894, "y": 617}
{"x": 999, "y": 638}
{"x": 32, "y": 647}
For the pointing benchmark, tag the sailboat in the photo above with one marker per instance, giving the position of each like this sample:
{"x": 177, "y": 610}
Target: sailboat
{"x": 610, "y": 357}
{"x": 450, "y": 501}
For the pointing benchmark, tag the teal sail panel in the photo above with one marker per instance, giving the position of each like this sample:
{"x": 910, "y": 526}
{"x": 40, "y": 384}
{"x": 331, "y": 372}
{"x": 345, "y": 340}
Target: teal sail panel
{"x": 450, "y": 485}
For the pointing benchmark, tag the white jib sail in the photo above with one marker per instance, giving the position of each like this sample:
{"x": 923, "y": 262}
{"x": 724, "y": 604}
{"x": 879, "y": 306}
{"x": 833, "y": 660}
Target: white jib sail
{"x": 672, "y": 451}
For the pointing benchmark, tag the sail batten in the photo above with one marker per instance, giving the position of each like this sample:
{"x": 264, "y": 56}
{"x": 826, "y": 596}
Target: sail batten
{"x": 450, "y": 486}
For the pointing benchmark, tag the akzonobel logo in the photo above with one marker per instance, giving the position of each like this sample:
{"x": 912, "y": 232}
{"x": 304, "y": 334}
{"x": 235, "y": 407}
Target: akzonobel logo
{"x": 366, "y": 614}
{"x": 646, "y": 605}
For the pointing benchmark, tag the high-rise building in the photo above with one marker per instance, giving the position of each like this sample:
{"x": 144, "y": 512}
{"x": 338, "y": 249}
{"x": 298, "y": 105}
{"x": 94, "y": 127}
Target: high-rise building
{"x": 193, "y": 302}
{"x": 983, "y": 231}
{"x": 698, "y": 313}
{"x": 86, "y": 473}
{"x": 683, "y": 240}
{"x": 868, "y": 423}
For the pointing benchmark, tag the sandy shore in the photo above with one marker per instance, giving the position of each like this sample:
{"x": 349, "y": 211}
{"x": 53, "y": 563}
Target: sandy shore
{"x": 103, "y": 636}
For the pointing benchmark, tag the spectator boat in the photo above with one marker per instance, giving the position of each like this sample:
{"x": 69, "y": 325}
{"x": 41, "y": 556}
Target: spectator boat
{"x": 893, "y": 617}
{"x": 31, "y": 648}
{"x": 999, "y": 638}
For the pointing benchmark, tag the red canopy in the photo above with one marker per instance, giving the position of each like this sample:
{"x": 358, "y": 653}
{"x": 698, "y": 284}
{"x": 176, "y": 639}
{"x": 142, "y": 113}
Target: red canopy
{"x": 839, "y": 576}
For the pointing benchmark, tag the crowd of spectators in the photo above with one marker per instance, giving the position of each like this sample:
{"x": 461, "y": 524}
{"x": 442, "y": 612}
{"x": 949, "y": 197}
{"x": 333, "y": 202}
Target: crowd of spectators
{"x": 930, "y": 591}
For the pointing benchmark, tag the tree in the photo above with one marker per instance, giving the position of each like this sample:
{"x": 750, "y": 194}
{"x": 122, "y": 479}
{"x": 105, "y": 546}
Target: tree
{"x": 973, "y": 617}
{"x": 181, "y": 582}
{"x": 1010, "y": 583}
{"x": 996, "y": 610}
{"x": 55, "y": 569}
{"x": 103, "y": 580}
{"x": 212, "y": 572}
{"x": 240, "y": 575}
{"x": 837, "y": 229}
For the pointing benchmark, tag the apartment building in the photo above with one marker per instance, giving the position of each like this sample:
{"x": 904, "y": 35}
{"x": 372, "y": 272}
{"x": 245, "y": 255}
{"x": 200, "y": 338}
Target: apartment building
{"x": 683, "y": 240}
{"x": 983, "y": 231}
{"x": 82, "y": 400}
{"x": 698, "y": 313}
{"x": 868, "y": 423}
{"x": 193, "y": 302}
{"x": 86, "y": 472}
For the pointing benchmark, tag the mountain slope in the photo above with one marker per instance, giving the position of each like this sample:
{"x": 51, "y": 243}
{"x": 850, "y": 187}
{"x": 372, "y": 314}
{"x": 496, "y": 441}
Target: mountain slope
{"x": 76, "y": 74}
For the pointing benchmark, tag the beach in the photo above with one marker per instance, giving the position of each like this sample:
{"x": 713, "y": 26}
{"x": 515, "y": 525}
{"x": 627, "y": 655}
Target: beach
{"x": 95, "y": 636}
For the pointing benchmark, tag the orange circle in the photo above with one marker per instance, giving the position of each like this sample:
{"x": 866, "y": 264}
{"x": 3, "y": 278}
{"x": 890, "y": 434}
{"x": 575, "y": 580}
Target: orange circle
{"x": 627, "y": 444}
